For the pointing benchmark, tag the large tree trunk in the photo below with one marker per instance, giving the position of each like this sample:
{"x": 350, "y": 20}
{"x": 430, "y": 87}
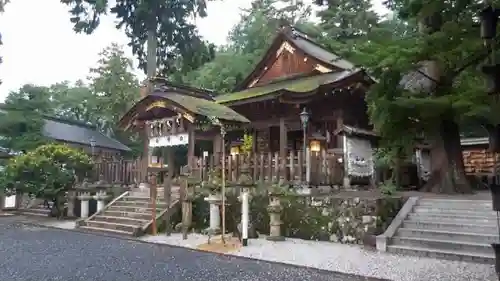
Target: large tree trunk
{"x": 447, "y": 163}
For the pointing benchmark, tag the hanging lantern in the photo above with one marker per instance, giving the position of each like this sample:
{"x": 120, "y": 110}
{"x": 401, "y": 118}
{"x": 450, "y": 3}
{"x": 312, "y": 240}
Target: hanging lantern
{"x": 489, "y": 19}
{"x": 492, "y": 73}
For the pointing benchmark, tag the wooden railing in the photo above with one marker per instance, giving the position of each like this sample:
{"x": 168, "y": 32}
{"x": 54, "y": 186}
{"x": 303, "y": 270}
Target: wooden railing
{"x": 121, "y": 171}
{"x": 317, "y": 169}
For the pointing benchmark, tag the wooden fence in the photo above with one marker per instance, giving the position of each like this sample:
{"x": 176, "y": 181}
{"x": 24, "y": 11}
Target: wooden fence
{"x": 121, "y": 171}
{"x": 317, "y": 169}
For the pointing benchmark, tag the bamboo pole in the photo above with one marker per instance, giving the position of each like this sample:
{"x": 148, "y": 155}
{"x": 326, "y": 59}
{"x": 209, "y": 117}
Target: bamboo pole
{"x": 153, "y": 203}
{"x": 223, "y": 188}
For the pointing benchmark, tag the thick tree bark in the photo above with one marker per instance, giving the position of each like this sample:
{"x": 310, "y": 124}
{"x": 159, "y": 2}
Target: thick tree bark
{"x": 447, "y": 163}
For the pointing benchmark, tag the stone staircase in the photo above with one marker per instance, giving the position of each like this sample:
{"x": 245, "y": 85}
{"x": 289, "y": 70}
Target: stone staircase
{"x": 130, "y": 213}
{"x": 37, "y": 210}
{"x": 448, "y": 229}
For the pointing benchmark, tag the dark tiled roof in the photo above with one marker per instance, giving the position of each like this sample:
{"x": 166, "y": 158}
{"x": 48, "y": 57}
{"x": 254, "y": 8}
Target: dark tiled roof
{"x": 75, "y": 132}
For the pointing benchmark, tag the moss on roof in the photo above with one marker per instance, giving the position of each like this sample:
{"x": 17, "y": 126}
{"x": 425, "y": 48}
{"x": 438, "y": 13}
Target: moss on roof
{"x": 205, "y": 107}
{"x": 301, "y": 85}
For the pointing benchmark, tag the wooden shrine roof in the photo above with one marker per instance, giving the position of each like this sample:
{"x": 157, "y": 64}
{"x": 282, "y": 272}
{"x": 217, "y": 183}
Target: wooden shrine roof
{"x": 181, "y": 100}
{"x": 300, "y": 85}
{"x": 304, "y": 43}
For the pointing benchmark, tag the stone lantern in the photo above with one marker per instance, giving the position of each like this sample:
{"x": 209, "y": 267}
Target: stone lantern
{"x": 275, "y": 210}
{"x": 215, "y": 200}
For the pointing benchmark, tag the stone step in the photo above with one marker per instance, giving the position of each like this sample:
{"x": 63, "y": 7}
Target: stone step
{"x": 451, "y": 226}
{"x": 463, "y": 212}
{"x": 38, "y": 212}
{"x": 139, "y": 204}
{"x": 454, "y": 201}
{"x": 122, "y": 220}
{"x": 452, "y": 217}
{"x": 448, "y": 235}
{"x": 471, "y": 207}
{"x": 112, "y": 225}
{"x": 110, "y": 230}
{"x": 443, "y": 254}
{"x": 135, "y": 209}
{"x": 135, "y": 215}
{"x": 33, "y": 214}
{"x": 442, "y": 244}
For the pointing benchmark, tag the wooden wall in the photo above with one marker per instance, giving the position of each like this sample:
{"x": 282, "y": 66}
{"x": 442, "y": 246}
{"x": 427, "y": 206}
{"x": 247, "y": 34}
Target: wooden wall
{"x": 478, "y": 161}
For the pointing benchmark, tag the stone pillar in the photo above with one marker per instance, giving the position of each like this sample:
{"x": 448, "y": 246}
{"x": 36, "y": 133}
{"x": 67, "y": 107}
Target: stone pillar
{"x": 100, "y": 197}
{"x": 214, "y": 200}
{"x": 84, "y": 197}
{"x": 275, "y": 209}
{"x": 245, "y": 198}
{"x": 71, "y": 203}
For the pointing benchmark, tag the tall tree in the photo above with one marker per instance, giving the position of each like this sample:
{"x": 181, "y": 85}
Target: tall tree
{"x": 347, "y": 23}
{"x": 21, "y": 120}
{"x": 173, "y": 42}
{"x": 428, "y": 84}
{"x": 115, "y": 89}
{"x": 248, "y": 40}
{"x": 74, "y": 102}
{"x": 114, "y": 86}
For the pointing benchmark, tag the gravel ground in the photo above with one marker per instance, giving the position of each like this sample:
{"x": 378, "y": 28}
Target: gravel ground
{"x": 350, "y": 259}
{"x": 37, "y": 253}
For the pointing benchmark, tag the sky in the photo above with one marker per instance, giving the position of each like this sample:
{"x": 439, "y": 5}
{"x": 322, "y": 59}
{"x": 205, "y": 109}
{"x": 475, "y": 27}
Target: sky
{"x": 40, "y": 46}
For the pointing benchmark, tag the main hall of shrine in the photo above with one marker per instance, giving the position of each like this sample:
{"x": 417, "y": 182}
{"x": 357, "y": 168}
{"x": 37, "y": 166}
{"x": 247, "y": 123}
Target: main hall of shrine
{"x": 299, "y": 95}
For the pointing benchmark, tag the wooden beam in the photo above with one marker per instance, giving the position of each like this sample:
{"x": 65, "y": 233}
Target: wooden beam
{"x": 283, "y": 146}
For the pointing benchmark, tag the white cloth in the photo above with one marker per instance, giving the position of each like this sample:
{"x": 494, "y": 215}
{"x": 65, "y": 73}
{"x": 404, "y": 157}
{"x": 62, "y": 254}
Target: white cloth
{"x": 359, "y": 157}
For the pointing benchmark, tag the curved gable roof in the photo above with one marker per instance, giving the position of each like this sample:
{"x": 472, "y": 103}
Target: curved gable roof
{"x": 304, "y": 43}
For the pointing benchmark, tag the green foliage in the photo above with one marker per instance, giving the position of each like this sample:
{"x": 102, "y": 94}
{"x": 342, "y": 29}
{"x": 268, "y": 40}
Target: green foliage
{"x": 46, "y": 172}
{"x": 247, "y": 145}
{"x": 248, "y": 41}
{"x": 179, "y": 47}
{"x": 388, "y": 188}
{"x": 112, "y": 90}
{"x": 21, "y": 122}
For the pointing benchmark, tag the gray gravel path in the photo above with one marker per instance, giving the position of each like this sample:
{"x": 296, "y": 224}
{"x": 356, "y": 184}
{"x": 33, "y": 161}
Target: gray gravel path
{"x": 37, "y": 253}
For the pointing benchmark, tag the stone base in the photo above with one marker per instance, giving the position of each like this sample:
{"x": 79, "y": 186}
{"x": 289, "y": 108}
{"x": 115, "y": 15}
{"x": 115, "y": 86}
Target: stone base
{"x": 252, "y": 233}
{"x": 275, "y": 238}
{"x": 212, "y": 232}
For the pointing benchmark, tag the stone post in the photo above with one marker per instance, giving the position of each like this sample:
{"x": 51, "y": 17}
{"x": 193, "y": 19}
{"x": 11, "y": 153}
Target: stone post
{"x": 84, "y": 198}
{"x": 275, "y": 209}
{"x": 215, "y": 201}
{"x": 100, "y": 197}
{"x": 245, "y": 198}
{"x": 71, "y": 203}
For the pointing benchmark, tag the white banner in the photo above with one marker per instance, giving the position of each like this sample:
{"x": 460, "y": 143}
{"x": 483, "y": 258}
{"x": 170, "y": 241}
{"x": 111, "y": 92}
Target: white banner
{"x": 172, "y": 140}
{"x": 359, "y": 157}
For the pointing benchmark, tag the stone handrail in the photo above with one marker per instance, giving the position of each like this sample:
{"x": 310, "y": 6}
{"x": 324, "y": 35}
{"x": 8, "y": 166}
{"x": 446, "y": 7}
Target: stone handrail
{"x": 382, "y": 239}
{"x": 107, "y": 206}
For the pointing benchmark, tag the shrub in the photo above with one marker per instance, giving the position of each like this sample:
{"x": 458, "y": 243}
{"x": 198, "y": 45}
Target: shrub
{"x": 46, "y": 172}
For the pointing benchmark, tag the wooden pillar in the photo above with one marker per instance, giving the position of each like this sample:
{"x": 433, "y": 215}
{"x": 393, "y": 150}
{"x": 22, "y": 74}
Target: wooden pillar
{"x": 217, "y": 148}
{"x": 167, "y": 190}
{"x": 254, "y": 141}
{"x": 191, "y": 145}
{"x": 283, "y": 147}
{"x": 145, "y": 155}
{"x": 340, "y": 124}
